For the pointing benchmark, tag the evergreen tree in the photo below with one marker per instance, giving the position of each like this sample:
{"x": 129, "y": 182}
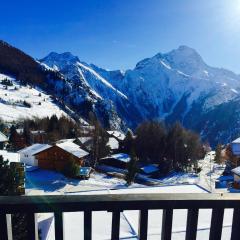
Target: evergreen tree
{"x": 99, "y": 143}
{"x": 132, "y": 169}
{"x": 218, "y": 154}
{"x": 71, "y": 168}
{"x": 128, "y": 143}
{"x": 11, "y": 180}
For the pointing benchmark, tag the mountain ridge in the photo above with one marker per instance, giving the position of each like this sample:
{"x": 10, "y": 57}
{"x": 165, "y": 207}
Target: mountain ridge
{"x": 173, "y": 86}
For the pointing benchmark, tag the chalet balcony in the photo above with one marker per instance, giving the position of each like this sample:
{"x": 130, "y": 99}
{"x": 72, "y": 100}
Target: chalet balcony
{"x": 117, "y": 203}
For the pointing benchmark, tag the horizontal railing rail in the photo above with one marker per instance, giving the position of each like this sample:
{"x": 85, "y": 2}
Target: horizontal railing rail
{"x": 116, "y": 203}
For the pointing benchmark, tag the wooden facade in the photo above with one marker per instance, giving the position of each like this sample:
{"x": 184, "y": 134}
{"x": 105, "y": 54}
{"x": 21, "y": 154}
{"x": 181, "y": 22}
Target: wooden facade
{"x": 56, "y": 158}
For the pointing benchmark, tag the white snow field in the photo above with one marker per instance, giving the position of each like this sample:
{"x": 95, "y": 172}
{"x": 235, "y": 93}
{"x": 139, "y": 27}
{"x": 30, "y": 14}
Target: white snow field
{"x": 12, "y": 98}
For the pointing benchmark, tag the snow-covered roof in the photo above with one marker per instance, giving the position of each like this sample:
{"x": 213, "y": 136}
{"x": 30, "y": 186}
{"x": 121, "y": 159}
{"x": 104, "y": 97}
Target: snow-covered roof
{"x": 113, "y": 143}
{"x": 149, "y": 168}
{"x": 237, "y": 140}
{"x": 35, "y": 148}
{"x": 236, "y": 171}
{"x": 66, "y": 140}
{"x": 117, "y": 134}
{"x": 10, "y": 156}
{"x": 73, "y": 148}
{"x": 123, "y": 157}
{"x": 3, "y": 138}
{"x": 84, "y": 139}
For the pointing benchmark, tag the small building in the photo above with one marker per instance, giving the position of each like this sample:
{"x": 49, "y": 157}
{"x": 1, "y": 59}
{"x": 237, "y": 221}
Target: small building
{"x": 38, "y": 136}
{"x": 115, "y": 140}
{"x": 56, "y": 157}
{"x": 117, "y": 135}
{"x": 119, "y": 160}
{"x": 236, "y": 177}
{"x": 236, "y": 146}
{"x": 28, "y": 154}
{"x": 3, "y": 141}
{"x": 85, "y": 143}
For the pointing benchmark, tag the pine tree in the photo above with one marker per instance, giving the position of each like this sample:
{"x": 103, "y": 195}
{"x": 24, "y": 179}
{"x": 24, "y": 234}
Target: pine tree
{"x": 128, "y": 143}
{"x": 99, "y": 143}
{"x": 71, "y": 168}
{"x": 11, "y": 180}
{"x": 218, "y": 154}
{"x": 132, "y": 169}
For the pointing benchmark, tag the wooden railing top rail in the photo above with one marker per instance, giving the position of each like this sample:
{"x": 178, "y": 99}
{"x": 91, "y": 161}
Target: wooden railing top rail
{"x": 112, "y": 202}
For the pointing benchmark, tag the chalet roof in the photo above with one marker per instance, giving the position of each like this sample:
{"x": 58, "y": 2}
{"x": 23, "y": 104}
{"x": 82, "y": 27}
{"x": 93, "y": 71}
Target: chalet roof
{"x": 113, "y": 143}
{"x": 149, "y": 168}
{"x": 84, "y": 139}
{"x": 73, "y": 149}
{"x": 123, "y": 157}
{"x": 34, "y": 149}
{"x": 236, "y": 171}
{"x": 3, "y": 138}
{"x": 117, "y": 134}
{"x": 66, "y": 140}
{"x": 237, "y": 140}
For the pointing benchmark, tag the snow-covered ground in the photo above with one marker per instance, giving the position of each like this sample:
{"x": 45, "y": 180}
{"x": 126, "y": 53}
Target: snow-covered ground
{"x": 210, "y": 173}
{"x": 12, "y": 97}
{"x": 42, "y": 182}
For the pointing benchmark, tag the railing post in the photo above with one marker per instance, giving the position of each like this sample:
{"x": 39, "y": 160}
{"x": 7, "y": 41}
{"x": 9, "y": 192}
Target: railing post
{"x": 32, "y": 232}
{"x": 236, "y": 224}
{"x": 167, "y": 224}
{"x": 58, "y": 217}
{"x": 87, "y": 225}
{"x": 192, "y": 221}
{"x": 216, "y": 224}
{"x": 115, "y": 225}
{"x": 143, "y": 224}
{"x": 3, "y": 226}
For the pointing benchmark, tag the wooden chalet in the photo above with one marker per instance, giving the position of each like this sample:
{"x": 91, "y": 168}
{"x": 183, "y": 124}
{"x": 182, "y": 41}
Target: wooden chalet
{"x": 119, "y": 160}
{"x": 57, "y": 156}
{"x": 236, "y": 177}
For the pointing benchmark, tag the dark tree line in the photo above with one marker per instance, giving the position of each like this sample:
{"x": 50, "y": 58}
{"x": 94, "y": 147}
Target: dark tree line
{"x": 53, "y": 129}
{"x": 171, "y": 147}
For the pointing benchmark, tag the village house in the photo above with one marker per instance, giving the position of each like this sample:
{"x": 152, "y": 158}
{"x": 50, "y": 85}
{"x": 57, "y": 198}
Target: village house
{"x": 115, "y": 139}
{"x": 236, "y": 147}
{"x": 38, "y": 136}
{"x": 85, "y": 143}
{"x": 28, "y": 154}
{"x": 57, "y": 156}
{"x": 3, "y": 141}
{"x": 119, "y": 160}
{"x": 236, "y": 177}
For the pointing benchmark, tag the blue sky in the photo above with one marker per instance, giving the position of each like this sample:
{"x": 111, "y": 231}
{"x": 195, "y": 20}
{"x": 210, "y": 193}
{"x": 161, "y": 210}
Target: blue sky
{"x": 115, "y": 34}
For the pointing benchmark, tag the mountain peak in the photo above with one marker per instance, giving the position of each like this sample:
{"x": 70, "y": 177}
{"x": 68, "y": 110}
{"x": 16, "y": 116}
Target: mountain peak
{"x": 65, "y": 56}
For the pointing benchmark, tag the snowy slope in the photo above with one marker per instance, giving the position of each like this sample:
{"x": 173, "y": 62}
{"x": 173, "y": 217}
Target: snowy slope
{"x": 175, "y": 86}
{"x": 12, "y": 99}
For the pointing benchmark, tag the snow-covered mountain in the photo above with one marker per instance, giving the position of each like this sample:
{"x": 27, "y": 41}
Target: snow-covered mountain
{"x": 175, "y": 86}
